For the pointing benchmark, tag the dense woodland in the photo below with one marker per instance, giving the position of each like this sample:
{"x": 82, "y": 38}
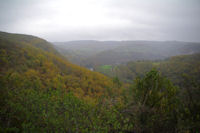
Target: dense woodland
{"x": 174, "y": 68}
{"x": 41, "y": 91}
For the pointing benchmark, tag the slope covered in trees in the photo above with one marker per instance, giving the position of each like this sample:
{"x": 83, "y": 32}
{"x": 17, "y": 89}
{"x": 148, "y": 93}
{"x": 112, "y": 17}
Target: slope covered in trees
{"x": 79, "y": 52}
{"x": 35, "y": 79}
{"x": 174, "y": 68}
{"x": 34, "y": 41}
{"x": 27, "y": 57}
{"x": 96, "y": 53}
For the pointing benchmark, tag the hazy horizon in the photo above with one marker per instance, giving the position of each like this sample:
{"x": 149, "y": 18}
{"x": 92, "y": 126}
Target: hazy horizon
{"x": 102, "y": 40}
{"x": 105, "y": 20}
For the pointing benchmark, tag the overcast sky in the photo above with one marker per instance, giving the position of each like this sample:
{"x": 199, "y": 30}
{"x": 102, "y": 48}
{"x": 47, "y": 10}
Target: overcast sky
{"x": 64, "y": 20}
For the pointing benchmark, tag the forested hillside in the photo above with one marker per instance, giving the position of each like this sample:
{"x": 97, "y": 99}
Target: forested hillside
{"x": 97, "y": 53}
{"x": 33, "y": 76}
{"x": 34, "y": 41}
{"x": 78, "y": 52}
{"x": 35, "y": 57}
{"x": 174, "y": 68}
{"x": 40, "y": 91}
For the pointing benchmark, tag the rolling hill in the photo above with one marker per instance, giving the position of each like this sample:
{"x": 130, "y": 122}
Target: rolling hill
{"x": 95, "y": 53}
{"x": 40, "y": 91}
{"x": 174, "y": 68}
{"x": 35, "y": 61}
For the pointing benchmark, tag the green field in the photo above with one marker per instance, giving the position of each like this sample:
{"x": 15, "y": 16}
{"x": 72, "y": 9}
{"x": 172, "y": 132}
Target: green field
{"x": 106, "y": 67}
{"x": 156, "y": 63}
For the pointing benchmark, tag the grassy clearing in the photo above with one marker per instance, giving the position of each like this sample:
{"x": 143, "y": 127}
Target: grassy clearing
{"x": 106, "y": 67}
{"x": 156, "y": 63}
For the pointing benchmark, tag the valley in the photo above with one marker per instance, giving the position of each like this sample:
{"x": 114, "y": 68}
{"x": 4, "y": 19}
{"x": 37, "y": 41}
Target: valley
{"x": 99, "y": 66}
{"x": 130, "y": 87}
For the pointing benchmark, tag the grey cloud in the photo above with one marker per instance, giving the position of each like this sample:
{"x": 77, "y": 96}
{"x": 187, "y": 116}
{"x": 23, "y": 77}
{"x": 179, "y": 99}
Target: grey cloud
{"x": 113, "y": 19}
